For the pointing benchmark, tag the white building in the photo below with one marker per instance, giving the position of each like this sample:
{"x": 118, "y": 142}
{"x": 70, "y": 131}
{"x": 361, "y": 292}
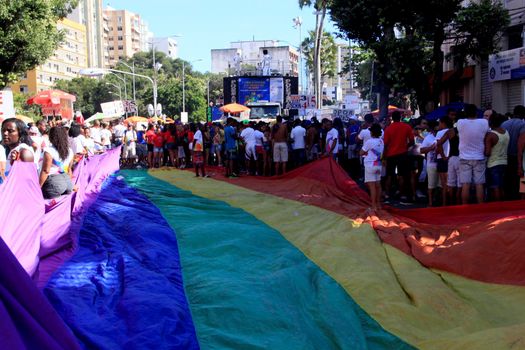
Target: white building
{"x": 285, "y": 59}
{"x": 146, "y": 37}
{"x": 167, "y": 45}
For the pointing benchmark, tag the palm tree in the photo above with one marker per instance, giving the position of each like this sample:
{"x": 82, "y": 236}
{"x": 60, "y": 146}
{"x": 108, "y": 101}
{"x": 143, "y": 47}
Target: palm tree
{"x": 328, "y": 56}
{"x": 320, "y": 6}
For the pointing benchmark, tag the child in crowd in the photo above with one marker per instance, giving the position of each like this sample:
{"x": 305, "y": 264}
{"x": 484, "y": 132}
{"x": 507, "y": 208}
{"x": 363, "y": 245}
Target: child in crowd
{"x": 428, "y": 147}
{"x": 373, "y": 152}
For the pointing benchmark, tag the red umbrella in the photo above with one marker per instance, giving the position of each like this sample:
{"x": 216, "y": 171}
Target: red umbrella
{"x": 50, "y": 97}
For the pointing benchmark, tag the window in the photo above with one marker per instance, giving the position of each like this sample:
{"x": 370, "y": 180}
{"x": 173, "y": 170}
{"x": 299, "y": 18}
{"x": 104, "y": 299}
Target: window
{"x": 120, "y": 38}
{"x": 121, "y": 47}
{"x": 24, "y": 89}
{"x": 110, "y": 38}
{"x": 119, "y": 28}
{"x": 111, "y": 48}
{"x": 119, "y": 19}
{"x": 68, "y": 69}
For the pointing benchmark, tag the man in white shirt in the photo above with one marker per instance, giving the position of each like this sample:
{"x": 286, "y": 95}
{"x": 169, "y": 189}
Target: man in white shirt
{"x": 119, "y": 131}
{"x": 89, "y": 144}
{"x": 130, "y": 141}
{"x": 95, "y": 133}
{"x": 472, "y": 160}
{"x": 298, "y": 136}
{"x": 105, "y": 136}
{"x": 332, "y": 139}
{"x": 248, "y": 136}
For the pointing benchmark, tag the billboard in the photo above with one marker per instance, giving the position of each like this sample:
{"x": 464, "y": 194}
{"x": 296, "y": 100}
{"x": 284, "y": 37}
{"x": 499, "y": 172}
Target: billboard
{"x": 277, "y": 90}
{"x": 253, "y": 90}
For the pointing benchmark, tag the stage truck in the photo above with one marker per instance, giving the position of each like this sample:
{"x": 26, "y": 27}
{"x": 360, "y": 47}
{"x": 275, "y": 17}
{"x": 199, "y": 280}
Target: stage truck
{"x": 266, "y": 96}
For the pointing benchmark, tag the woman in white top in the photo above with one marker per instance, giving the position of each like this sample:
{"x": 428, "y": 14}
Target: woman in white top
{"x": 17, "y": 143}
{"x": 55, "y": 177}
{"x": 3, "y": 158}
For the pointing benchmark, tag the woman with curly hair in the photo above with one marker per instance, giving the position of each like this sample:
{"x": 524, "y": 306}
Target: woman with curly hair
{"x": 16, "y": 142}
{"x": 55, "y": 176}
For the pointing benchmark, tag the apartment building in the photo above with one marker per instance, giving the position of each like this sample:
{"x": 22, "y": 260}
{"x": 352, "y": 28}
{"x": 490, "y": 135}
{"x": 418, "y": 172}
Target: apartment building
{"x": 169, "y": 46}
{"x": 341, "y": 85}
{"x": 65, "y": 63}
{"x": 127, "y": 34}
{"x": 90, "y": 14}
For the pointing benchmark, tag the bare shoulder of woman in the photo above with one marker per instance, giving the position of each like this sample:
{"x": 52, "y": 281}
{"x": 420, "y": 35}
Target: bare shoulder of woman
{"x": 26, "y": 156}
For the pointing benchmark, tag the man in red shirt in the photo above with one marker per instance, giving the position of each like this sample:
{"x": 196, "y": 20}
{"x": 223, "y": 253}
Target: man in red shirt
{"x": 398, "y": 138}
{"x": 150, "y": 138}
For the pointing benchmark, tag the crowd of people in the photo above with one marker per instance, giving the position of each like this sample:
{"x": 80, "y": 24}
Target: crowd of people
{"x": 459, "y": 158}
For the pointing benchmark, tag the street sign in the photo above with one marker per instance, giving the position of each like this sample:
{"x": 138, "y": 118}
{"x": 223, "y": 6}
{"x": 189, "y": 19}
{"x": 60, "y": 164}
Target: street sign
{"x": 303, "y": 102}
{"x": 130, "y": 106}
{"x": 113, "y": 108}
{"x": 151, "y": 111}
{"x": 184, "y": 117}
{"x": 7, "y": 107}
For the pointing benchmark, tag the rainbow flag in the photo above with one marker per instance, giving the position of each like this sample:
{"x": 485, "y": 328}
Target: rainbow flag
{"x": 168, "y": 260}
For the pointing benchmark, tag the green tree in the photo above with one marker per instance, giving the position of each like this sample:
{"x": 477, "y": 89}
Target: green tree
{"x": 406, "y": 38}
{"x": 328, "y": 54}
{"x": 477, "y": 30}
{"x": 28, "y": 34}
{"x": 90, "y": 93}
{"x": 21, "y": 106}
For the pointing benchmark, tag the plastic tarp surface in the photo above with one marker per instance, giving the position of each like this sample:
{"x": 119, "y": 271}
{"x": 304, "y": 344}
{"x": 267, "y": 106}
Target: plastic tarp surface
{"x": 247, "y": 286}
{"x": 36, "y": 237}
{"x": 436, "y": 280}
{"x": 123, "y": 288}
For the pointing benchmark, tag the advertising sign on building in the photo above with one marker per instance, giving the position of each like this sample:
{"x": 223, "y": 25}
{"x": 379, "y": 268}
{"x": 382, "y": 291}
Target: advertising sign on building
{"x": 253, "y": 90}
{"x": 507, "y": 65}
{"x": 277, "y": 90}
{"x": 113, "y": 108}
{"x": 7, "y": 107}
{"x": 303, "y": 102}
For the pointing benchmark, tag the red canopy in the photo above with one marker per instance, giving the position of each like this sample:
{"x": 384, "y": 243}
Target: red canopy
{"x": 54, "y": 102}
{"x": 50, "y": 97}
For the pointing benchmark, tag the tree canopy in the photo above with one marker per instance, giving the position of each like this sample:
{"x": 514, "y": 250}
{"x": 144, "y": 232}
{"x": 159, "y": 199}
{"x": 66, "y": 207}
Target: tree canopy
{"x": 405, "y": 39}
{"x": 28, "y": 34}
{"x": 91, "y": 92}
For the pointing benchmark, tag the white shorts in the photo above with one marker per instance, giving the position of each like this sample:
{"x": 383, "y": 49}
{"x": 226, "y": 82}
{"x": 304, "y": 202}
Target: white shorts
{"x": 453, "y": 172}
{"x": 372, "y": 173}
{"x": 249, "y": 152}
{"x": 130, "y": 152}
{"x": 433, "y": 178}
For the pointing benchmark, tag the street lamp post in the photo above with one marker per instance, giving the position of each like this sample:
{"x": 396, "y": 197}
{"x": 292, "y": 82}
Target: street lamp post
{"x": 132, "y": 68}
{"x": 94, "y": 72}
{"x": 184, "y": 83}
{"x": 118, "y": 87}
{"x": 298, "y": 23}
{"x": 123, "y": 80}
{"x": 157, "y": 66}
